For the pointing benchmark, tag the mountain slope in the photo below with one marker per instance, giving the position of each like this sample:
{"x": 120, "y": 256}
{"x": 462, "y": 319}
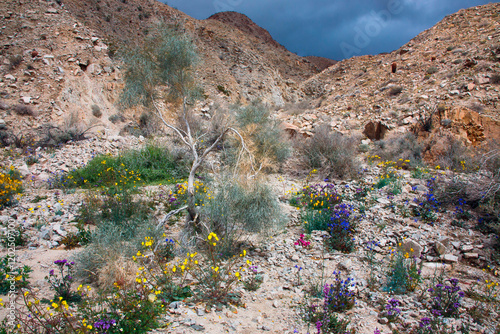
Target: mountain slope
{"x": 454, "y": 64}
{"x": 246, "y": 62}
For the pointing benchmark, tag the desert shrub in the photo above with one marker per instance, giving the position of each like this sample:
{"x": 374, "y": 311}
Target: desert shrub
{"x": 237, "y": 208}
{"x": 10, "y": 186}
{"x": 110, "y": 242}
{"x": 495, "y": 79}
{"x": 457, "y": 157}
{"x": 330, "y": 152}
{"x": 481, "y": 184}
{"x": 15, "y": 61}
{"x": 223, "y": 90}
{"x": 96, "y": 110}
{"x": 115, "y": 118}
{"x": 72, "y": 129}
{"x": 23, "y": 110}
{"x": 432, "y": 70}
{"x": 263, "y": 135}
{"x": 395, "y": 90}
{"x": 149, "y": 124}
{"x": 425, "y": 120}
{"x": 403, "y": 149}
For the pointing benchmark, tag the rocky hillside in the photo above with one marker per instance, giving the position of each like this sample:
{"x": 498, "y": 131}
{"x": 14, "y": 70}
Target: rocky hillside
{"x": 246, "y": 62}
{"x": 58, "y": 59}
{"x": 52, "y": 65}
{"x": 454, "y": 64}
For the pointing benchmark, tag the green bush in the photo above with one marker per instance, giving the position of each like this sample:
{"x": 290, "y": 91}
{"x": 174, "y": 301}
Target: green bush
{"x": 316, "y": 220}
{"x": 19, "y": 279}
{"x": 237, "y": 208}
{"x": 128, "y": 170}
{"x": 330, "y": 152}
{"x": 404, "y": 273}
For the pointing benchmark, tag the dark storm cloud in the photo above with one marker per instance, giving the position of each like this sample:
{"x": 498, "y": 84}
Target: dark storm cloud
{"x": 335, "y": 29}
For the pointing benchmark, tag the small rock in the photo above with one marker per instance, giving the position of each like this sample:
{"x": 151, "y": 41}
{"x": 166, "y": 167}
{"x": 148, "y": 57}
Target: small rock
{"x": 455, "y": 92}
{"x": 482, "y": 80}
{"x": 413, "y": 248}
{"x": 383, "y": 320}
{"x": 26, "y": 99}
{"x": 383, "y": 201}
{"x": 51, "y": 11}
{"x": 198, "y": 328}
{"x": 450, "y": 258}
{"x": 467, "y": 248}
{"x": 45, "y": 233}
{"x": 471, "y": 255}
{"x": 440, "y": 248}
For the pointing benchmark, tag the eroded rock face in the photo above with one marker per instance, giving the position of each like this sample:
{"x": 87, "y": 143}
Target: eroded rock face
{"x": 375, "y": 130}
{"x": 471, "y": 125}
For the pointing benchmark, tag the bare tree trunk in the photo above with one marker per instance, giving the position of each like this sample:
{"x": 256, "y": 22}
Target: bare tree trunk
{"x": 187, "y": 138}
{"x": 193, "y": 214}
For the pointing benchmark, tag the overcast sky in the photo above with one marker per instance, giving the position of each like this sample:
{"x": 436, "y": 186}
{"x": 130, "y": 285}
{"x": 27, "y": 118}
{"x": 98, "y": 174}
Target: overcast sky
{"x": 335, "y": 29}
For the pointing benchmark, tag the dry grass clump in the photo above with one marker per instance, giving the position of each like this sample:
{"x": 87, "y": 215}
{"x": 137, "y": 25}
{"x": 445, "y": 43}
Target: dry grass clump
{"x": 332, "y": 153}
{"x": 23, "y": 110}
{"x": 121, "y": 271}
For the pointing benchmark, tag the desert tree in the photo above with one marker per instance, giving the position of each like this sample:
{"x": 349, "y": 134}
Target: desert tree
{"x": 162, "y": 70}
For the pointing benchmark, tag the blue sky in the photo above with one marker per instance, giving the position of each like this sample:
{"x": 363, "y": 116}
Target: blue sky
{"x": 335, "y": 29}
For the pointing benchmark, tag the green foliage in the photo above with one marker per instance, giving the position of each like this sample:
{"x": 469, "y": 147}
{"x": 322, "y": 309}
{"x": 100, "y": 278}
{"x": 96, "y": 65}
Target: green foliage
{"x": 77, "y": 239}
{"x": 255, "y": 280}
{"x": 237, "y": 208}
{"x": 223, "y": 90}
{"x": 315, "y": 220}
{"x": 330, "y": 152}
{"x": 15, "y": 237}
{"x": 166, "y": 57}
{"x": 129, "y": 170}
{"x": 404, "y": 274}
{"x": 12, "y": 278}
{"x": 131, "y": 310}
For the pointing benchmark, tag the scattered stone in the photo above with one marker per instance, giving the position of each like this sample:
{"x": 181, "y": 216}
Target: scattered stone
{"x": 450, "y": 258}
{"x": 413, "y": 248}
{"x": 471, "y": 255}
